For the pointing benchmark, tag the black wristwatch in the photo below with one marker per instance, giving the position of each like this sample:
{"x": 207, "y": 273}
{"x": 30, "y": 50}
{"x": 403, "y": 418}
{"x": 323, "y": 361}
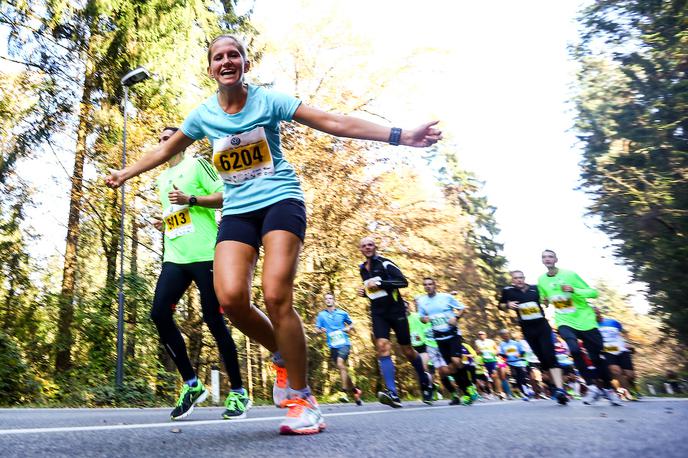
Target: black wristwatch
{"x": 192, "y": 201}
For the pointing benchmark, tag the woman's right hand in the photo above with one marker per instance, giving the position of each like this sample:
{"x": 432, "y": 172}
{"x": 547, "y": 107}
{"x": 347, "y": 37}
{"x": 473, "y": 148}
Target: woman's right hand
{"x": 115, "y": 179}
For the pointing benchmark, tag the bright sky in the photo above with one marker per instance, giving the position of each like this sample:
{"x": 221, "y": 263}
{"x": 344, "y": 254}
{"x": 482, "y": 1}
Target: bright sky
{"x": 499, "y": 79}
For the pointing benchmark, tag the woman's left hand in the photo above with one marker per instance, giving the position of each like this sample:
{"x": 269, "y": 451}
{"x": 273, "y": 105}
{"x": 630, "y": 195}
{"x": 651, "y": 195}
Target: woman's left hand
{"x": 422, "y": 136}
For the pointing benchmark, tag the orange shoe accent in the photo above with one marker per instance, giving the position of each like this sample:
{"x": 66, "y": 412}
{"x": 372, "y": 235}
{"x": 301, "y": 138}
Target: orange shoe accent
{"x": 281, "y": 375}
{"x": 296, "y": 406}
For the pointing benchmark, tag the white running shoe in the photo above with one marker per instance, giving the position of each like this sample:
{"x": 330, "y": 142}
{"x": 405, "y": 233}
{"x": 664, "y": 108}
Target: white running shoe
{"x": 592, "y": 395}
{"x": 612, "y": 397}
{"x": 303, "y": 417}
{"x": 280, "y": 389}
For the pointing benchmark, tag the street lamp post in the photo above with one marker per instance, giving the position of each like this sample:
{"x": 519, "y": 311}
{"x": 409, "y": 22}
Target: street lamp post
{"x": 135, "y": 76}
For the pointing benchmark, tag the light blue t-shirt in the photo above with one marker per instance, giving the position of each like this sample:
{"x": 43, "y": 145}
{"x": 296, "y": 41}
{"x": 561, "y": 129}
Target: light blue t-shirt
{"x": 440, "y": 309}
{"x": 333, "y": 323}
{"x": 264, "y": 108}
{"x": 514, "y": 352}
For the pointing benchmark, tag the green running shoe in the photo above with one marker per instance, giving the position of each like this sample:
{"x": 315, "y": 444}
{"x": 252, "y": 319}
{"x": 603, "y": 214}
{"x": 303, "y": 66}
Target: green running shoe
{"x": 473, "y": 393}
{"x": 237, "y": 404}
{"x": 437, "y": 396}
{"x": 466, "y": 400}
{"x": 189, "y": 397}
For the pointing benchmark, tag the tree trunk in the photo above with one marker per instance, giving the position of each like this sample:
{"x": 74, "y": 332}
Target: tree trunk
{"x": 64, "y": 339}
{"x": 9, "y": 318}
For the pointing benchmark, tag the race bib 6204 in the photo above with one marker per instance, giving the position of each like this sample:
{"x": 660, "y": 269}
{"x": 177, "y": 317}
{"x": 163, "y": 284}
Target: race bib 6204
{"x": 243, "y": 157}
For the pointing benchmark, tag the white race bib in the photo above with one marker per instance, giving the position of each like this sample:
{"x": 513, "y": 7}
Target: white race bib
{"x": 243, "y": 157}
{"x": 374, "y": 294}
{"x": 177, "y": 221}
{"x": 440, "y": 322}
{"x": 529, "y": 310}
{"x": 562, "y": 303}
{"x": 337, "y": 338}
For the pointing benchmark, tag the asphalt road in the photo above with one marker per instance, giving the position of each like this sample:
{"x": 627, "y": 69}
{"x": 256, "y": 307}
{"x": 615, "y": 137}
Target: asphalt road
{"x": 652, "y": 427}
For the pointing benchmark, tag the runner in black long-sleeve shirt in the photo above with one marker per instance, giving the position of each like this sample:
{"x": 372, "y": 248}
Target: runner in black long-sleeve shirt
{"x": 381, "y": 282}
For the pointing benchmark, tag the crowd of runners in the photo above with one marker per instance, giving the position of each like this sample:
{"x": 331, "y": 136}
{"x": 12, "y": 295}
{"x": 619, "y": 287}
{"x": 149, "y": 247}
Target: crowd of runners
{"x": 263, "y": 205}
{"x": 584, "y": 356}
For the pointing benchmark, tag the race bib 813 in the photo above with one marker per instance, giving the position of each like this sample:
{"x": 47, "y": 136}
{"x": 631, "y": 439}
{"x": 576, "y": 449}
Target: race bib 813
{"x": 177, "y": 221}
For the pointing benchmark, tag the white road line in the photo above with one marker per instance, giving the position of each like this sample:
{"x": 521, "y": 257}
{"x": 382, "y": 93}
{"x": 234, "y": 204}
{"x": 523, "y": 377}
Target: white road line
{"x": 646, "y": 399}
{"x": 4, "y": 432}
{"x": 187, "y": 424}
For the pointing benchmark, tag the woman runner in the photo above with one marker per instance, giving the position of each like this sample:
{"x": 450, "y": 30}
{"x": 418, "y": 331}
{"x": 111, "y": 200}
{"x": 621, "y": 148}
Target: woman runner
{"x": 263, "y": 205}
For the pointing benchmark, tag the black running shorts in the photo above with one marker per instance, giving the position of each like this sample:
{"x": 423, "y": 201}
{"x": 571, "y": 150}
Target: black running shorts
{"x": 249, "y": 228}
{"x": 450, "y": 348}
{"x": 389, "y": 319}
{"x": 623, "y": 360}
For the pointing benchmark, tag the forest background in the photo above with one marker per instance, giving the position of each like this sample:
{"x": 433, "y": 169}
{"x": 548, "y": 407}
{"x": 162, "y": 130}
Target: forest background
{"x": 60, "y": 97}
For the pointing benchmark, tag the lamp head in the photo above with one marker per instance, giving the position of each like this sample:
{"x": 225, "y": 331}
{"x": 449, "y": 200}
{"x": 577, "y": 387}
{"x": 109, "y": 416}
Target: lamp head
{"x": 135, "y": 76}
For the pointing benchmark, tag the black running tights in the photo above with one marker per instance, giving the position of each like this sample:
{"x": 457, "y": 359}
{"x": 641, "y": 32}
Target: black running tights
{"x": 173, "y": 282}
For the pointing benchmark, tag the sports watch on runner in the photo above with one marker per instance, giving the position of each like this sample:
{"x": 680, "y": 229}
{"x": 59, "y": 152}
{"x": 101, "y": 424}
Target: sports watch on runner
{"x": 192, "y": 201}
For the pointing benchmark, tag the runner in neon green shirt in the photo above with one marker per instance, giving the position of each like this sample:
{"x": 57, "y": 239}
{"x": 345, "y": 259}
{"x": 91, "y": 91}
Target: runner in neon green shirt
{"x": 190, "y": 190}
{"x": 190, "y": 228}
{"x": 419, "y": 341}
{"x": 575, "y": 318}
{"x": 570, "y": 305}
{"x": 418, "y": 330}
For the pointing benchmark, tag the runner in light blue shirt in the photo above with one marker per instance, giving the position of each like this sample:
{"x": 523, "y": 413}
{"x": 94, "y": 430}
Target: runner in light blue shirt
{"x": 336, "y": 324}
{"x": 443, "y": 312}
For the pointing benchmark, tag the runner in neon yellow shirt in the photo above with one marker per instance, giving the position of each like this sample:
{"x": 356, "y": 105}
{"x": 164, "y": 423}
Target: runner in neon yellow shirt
{"x": 189, "y": 191}
{"x": 575, "y": 318}
{"x": 488, "y": 352}
{"x": 418, "y": 331}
